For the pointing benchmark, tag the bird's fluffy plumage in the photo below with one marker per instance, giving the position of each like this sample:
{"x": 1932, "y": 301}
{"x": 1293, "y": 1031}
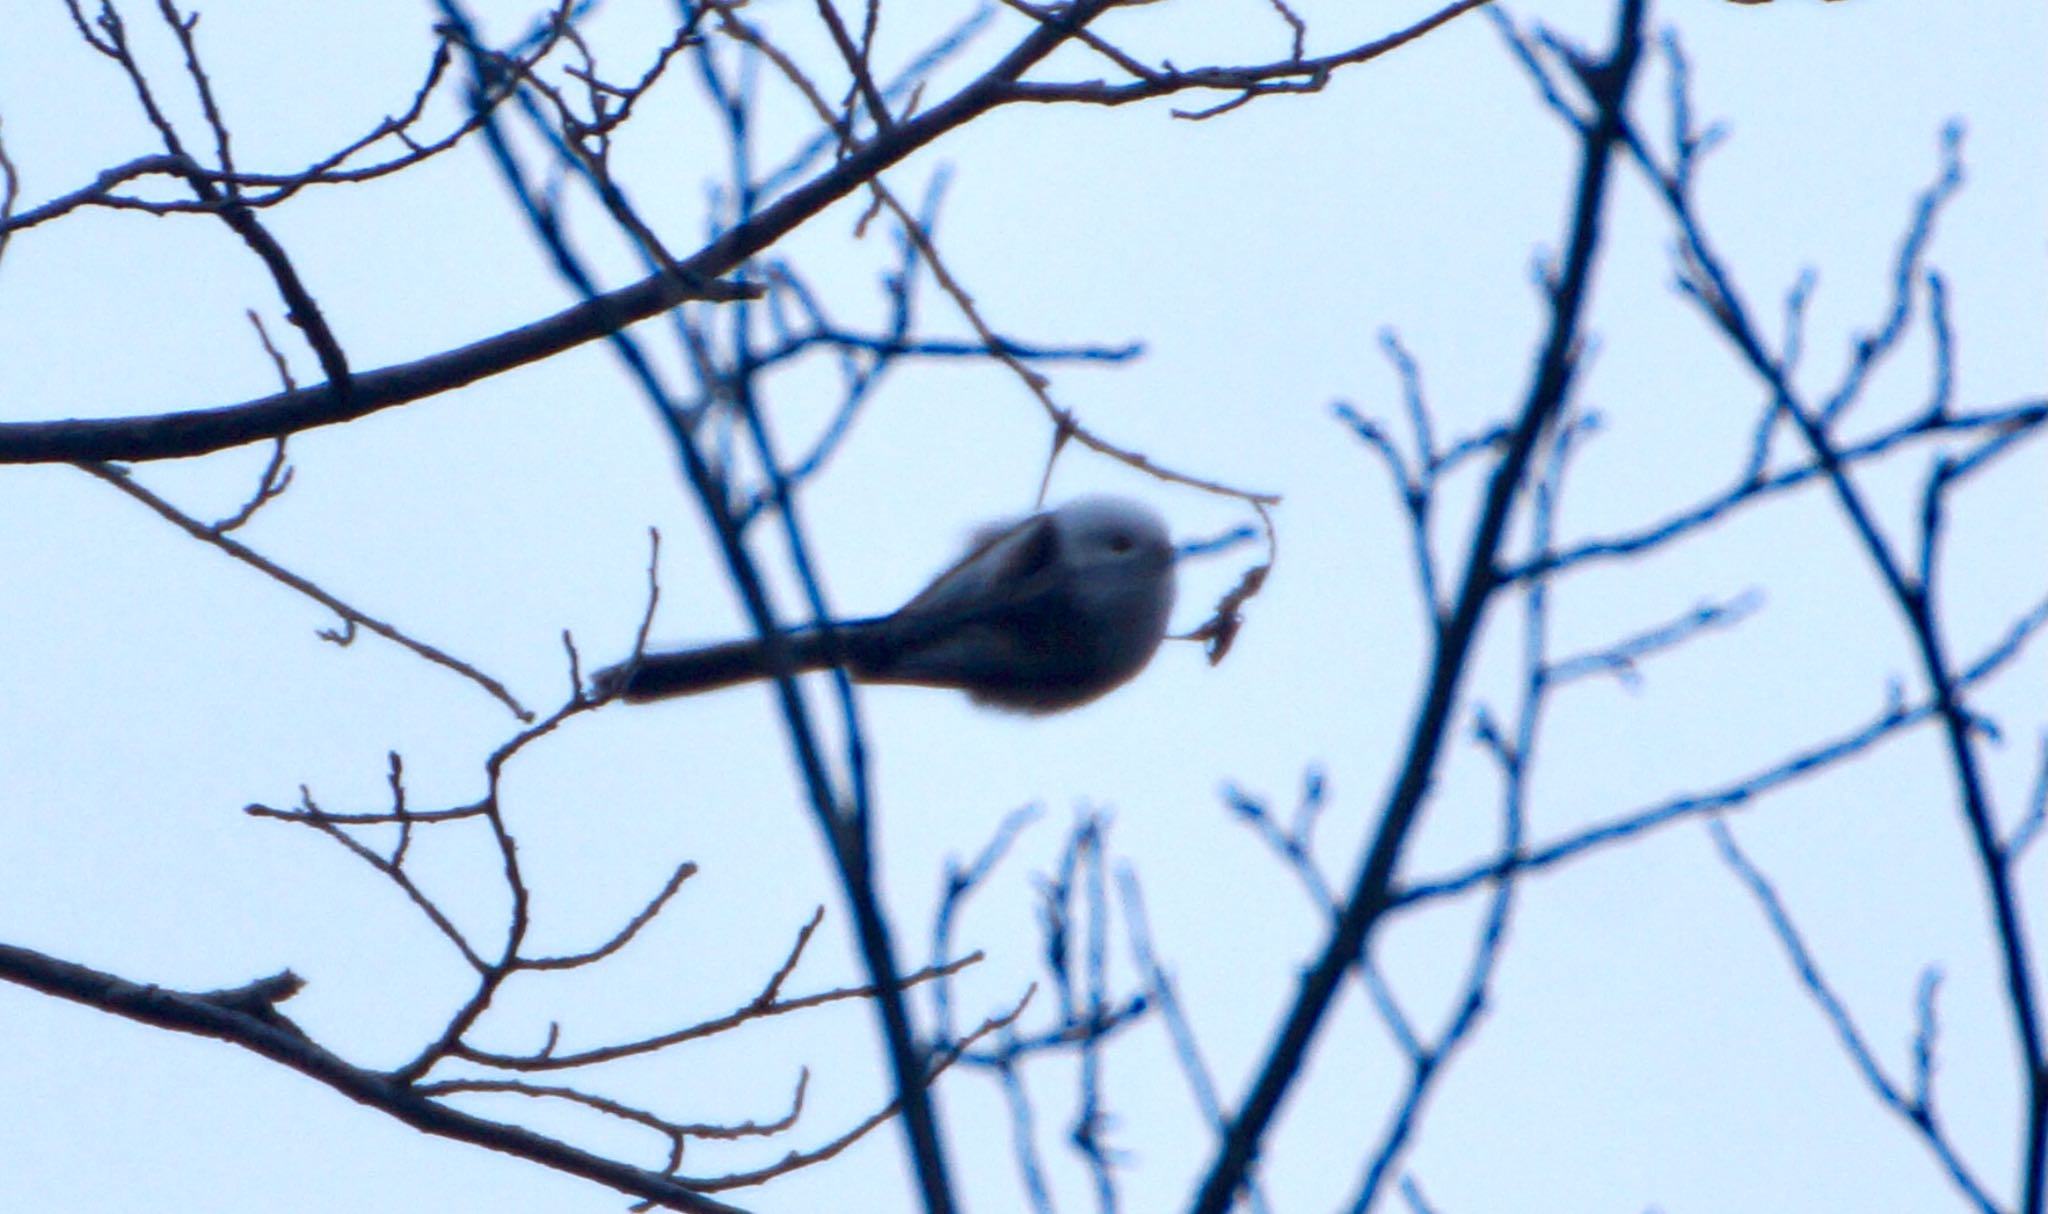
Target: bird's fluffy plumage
{"x": 1040, "y": 615}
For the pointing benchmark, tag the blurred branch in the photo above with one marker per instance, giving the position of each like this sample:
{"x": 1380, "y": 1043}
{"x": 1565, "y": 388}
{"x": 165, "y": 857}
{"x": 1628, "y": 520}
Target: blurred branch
{"x": 1163, "y": 993}
{"x": 1621, "y": 658}
{"x": 1073, "y": 918}
{"x": 1894, "y": 719}
{"x": 843, "y": 823}
{"x": 1754, "y": 487}
{"x": 864, "y": 358}
{"x": 1512, "y": 754}
{"x": 1294, "y": 844}
{"x": 1066, "y": 426}
{"x": 961, "y": 884}
{"x": 1419, "y": 480}
{"x": 1607, "y": 82}
{"x": 1704, "y": 277}
{"x": 2029, "y": 827}
{"x": 1917, "y": 1109}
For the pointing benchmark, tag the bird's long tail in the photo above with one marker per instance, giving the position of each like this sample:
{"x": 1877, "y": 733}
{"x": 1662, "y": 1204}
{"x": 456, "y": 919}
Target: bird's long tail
{"x": 658, "y": 676}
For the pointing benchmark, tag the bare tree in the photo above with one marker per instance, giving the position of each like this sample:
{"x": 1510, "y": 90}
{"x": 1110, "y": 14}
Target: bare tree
{"x": 548, "y": 113}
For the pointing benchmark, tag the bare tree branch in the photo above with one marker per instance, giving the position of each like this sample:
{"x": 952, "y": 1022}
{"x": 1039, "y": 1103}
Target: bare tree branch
{"x": 269, "y": 1034}
{"x": 1916, "y": 1110}
{"x": 1370, "y": 892}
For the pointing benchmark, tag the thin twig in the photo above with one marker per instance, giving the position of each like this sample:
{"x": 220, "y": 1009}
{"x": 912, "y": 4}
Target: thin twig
{"x": 120, "y": 479}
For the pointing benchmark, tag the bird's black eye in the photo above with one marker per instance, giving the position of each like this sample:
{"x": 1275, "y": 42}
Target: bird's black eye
{"x": 1120, "y": 543}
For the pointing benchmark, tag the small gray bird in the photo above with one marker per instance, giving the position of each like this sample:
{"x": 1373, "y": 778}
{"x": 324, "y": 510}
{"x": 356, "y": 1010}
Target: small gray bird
{"x": 1039, "y": 616}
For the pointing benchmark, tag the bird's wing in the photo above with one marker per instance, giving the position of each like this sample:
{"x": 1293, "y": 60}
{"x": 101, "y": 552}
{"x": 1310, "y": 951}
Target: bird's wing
{"x": 1009, "y": 558}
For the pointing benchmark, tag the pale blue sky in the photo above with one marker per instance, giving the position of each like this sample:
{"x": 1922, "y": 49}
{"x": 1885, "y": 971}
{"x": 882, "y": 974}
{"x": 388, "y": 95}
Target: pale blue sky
{"x": 1646, "y": 1045}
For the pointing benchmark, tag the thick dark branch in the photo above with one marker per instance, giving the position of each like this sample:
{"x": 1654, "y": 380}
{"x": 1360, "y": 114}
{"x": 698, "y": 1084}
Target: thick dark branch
{"x": 1369, "y": 898}
{"x": 262, "y": 1030}
{"x": 845, "y": 826}
{"x": 198, "y": 431}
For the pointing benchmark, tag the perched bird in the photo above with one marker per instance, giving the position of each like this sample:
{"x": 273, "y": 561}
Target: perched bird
{"x": 1040, "y": 615}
